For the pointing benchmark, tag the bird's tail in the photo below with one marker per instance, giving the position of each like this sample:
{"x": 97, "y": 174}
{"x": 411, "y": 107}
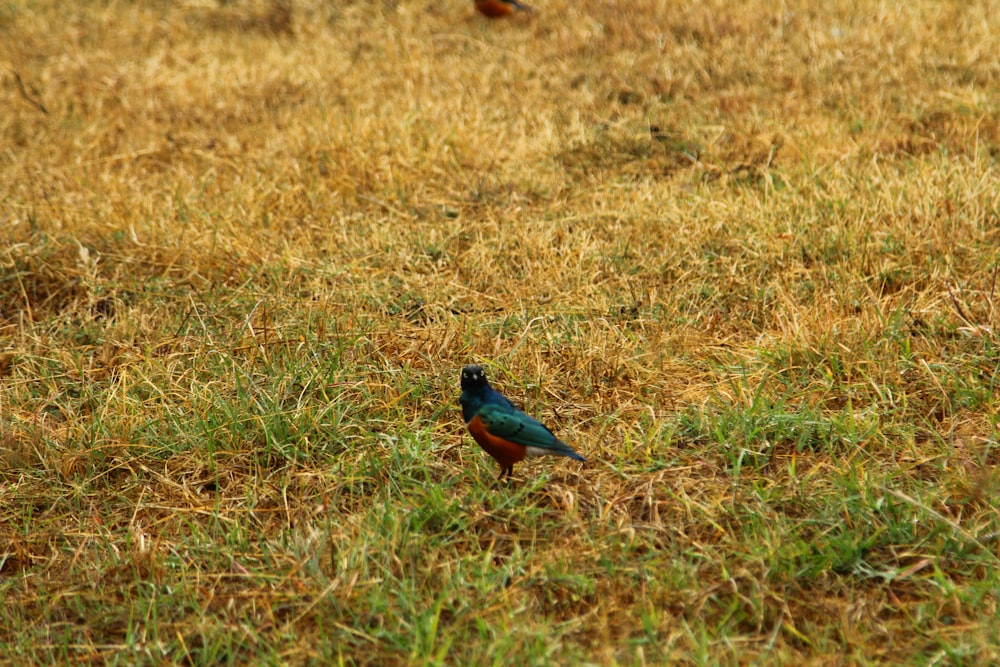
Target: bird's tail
{"x": 565, "y": 450}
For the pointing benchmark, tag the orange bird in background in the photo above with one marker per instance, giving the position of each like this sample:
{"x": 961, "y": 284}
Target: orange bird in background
{"x": 497, "y": 8}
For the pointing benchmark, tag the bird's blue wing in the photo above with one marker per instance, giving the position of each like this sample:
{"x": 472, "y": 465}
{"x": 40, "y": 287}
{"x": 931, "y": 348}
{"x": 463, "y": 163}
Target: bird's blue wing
{"x": 505, "y": 421}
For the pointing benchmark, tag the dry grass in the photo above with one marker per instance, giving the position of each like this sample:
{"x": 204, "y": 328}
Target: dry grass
{"x": 742, "y": 255}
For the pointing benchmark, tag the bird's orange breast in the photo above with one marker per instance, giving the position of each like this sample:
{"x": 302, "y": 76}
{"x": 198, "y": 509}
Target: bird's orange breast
{"x": 505, "y": 452}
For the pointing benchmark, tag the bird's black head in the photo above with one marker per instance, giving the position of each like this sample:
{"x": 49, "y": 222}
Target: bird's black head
{"x": 473, "y": 378}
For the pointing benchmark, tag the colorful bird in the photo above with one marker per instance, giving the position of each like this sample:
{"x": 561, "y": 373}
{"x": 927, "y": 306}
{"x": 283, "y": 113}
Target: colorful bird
{"x": 497, "y": 8}
{"x": 506, "y": 433}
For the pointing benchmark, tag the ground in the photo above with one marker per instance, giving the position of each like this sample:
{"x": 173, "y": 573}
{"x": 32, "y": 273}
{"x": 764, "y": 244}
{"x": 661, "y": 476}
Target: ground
{"x": 741, "y": 255}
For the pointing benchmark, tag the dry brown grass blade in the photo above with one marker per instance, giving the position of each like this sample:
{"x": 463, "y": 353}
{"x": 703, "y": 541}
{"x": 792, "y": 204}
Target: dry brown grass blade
{"x": 25, "y": 94}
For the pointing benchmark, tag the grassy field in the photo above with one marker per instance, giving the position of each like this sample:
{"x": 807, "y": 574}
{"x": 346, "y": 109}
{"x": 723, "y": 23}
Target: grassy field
{"x": 741, "y": 255}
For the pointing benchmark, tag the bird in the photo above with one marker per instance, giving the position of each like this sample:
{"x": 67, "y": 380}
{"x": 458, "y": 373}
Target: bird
{"x": 506, "y": 433}
{"x": 497, "y": 8}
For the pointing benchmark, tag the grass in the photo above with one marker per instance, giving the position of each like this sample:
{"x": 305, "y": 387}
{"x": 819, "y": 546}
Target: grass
{"x": 742, "y": 256}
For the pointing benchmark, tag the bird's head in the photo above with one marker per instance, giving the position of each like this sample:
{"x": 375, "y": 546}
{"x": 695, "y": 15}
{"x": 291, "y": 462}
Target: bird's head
{"x": 473, "y": 378}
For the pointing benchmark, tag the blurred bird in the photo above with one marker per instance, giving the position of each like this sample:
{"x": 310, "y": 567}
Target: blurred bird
{"x": 497, "y": 8}
{"x": 506, "y": 433}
